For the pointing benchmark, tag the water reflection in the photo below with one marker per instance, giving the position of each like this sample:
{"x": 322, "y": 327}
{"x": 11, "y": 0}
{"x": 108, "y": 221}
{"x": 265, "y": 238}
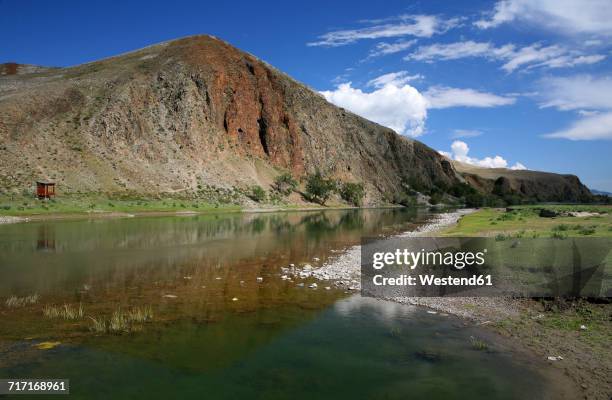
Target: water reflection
{"x": 61, "y": 257}
{"x": 218, "y": 331}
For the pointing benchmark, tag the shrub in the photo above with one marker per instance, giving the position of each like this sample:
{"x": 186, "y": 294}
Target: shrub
{"x": 318, "y": 188}
{"x": 404, "y": 199}
{"x": 558, "y": 235}
{"x": 285, "y": 184}
{"x": 275, "y": 198}
{"x": 586, "y": 231}
{"x": 561, "y": 228}
{"x": 352, "y": 193}
{"x": 415, "y": 183}
{"x": 256, "y": 193}
{"x": 474, "y": 200}
{"x": 435, "y": 198}
{"x": 500, "y": 237}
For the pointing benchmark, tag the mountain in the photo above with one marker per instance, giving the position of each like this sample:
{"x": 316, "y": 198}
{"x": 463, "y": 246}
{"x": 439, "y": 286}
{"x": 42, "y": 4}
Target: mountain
{"x": 601, "y": 192}
{"x": 533, "y": 185}
{"x": 193, "y": 112}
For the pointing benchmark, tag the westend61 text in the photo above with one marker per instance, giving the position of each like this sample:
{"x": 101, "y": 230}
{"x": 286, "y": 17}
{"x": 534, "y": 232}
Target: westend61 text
{"x": 432, "y": 280}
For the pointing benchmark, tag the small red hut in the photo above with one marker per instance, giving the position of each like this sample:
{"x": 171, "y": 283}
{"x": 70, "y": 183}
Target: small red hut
{"x": 45, "y": 190}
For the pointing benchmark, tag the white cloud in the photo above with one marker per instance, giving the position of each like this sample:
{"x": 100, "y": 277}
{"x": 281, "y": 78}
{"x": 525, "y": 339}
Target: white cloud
{"x": 395, "y": 78}
{"x": 444, "y": 97}
{"x": 404, "y": 25}
{"x": 550, "y": 57}
{"x": 459, "y": 152}
{"x": 453, "y": 51}
{"x": 596, "y": 127}
{"x": 576, "y": 92}
{"x": 518, "y": 166}
{"x": 566, "y": 61}
{"x": 579, "y": 93}
{"x": 593, "y": 42}
{"x": 533, "y": 56}
{"x": 401, "y": 108}
{"x": 590, "y": 17}
{"x": 466, "y": 133}
{"x": 383, "y": 48}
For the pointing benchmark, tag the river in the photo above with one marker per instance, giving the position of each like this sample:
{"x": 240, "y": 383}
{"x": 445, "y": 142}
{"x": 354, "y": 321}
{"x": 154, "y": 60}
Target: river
{"x": 225, "y": 325}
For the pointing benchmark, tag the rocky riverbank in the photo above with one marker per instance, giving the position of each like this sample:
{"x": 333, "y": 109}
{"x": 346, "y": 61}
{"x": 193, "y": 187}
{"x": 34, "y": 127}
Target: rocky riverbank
{"x": 580, "y": 351}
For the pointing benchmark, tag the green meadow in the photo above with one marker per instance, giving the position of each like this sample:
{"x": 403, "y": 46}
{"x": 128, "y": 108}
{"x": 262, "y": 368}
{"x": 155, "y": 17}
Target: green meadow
{"x": 525, "y": 221}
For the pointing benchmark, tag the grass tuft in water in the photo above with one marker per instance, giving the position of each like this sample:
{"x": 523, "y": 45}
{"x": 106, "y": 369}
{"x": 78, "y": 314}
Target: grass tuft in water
{"x": 122, "y": 321}
{"x": 478, "y": 344}
{"x": 98, "y": 325}
{"x": 66, "y": 311}
{"x": 14, "y": 301}
{"x": 140, "y": 314}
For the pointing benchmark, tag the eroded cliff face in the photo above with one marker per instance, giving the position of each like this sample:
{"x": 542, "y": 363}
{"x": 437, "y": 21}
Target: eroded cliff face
{"x": 190, "y": 112}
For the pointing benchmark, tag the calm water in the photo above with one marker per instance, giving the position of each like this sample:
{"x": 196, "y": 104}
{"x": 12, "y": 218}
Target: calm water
{"x": 217, "y": 332}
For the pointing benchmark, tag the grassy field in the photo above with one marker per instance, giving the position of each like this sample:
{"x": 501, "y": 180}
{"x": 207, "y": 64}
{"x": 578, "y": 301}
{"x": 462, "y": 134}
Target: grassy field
{"x": 524, "y": 221}
{"x": 75, "y": 204}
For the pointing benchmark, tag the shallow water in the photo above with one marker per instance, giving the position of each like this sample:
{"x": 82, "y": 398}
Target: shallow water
{"x": 275, "y": 340}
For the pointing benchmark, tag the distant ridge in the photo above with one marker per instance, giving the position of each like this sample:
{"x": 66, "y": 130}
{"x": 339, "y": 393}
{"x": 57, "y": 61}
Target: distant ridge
{"x": 600, "y": 192}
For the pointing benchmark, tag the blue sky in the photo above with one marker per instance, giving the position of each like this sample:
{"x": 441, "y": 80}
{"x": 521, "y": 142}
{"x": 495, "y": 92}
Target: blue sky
{"x": 512, "y": 83}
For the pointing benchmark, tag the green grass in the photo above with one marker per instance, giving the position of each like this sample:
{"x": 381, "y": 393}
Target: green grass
{"x": 525, "y": 221}
{"x": 79, "y": 204}
{"x": 593, "y": 316}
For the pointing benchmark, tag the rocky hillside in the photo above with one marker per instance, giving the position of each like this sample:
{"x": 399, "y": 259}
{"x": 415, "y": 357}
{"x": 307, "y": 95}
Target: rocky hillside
{"x": 192, "y": 113}
{"x": 526, "y": 184}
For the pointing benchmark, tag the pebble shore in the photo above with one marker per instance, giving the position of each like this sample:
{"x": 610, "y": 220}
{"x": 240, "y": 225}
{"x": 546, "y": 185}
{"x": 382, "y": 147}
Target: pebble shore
{"x": 344, "y": 272}
{"x": 345, "y": 269}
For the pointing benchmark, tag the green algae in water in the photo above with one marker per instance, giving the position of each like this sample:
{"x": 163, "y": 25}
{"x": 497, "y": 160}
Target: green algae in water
{"x": 342, "y": 352}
